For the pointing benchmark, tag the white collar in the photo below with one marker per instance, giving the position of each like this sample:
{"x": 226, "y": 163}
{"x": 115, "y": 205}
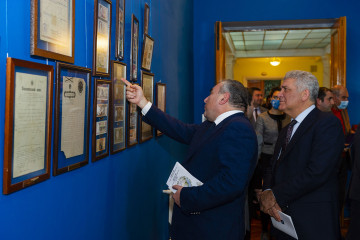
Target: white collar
{"x": 301, "y": 118}
{"x": 304, "y": 113}
{"x": 224, "y": 115}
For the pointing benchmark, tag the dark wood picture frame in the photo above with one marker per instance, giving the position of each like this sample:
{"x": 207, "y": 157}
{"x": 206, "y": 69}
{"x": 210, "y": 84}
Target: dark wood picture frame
{"x": 120, "y": 29}
{"x": 147, "y": 84}
{"x": 77, "y": 81}
{"x": 160, "y": 101}
{"x": 101, "y": 114}
{"x": 132, "y": 124}
{"x": 47, "y": 41}
{"x": 134, "y": 54}
{"x": 147, "y": 52}
{"x": 146, "y": 18}
{"x": 102, "y": 35}
{"x": 33, "y": 117}
{"x": 118, "y": 108}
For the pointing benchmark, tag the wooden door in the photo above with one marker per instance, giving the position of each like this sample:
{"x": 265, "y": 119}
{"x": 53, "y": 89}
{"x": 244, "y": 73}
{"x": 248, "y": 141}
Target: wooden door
{"x": 338, "y": 53}
{"x": 220, "y": 53}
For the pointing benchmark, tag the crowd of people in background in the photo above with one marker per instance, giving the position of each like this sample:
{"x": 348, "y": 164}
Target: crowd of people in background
{"x": 268, "y": 121}
{"x": 290, "y": 156}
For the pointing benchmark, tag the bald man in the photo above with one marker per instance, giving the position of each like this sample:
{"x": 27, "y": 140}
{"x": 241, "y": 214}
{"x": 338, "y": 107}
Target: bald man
{"x": 341, "y": 102}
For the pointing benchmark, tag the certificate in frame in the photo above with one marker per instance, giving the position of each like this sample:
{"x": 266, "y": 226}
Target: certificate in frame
{"x": 147, "y": 79}
{"x": 147, "y": 52}
{"x": 132, "y": 124}
{"x": 160, "y": 100}
{"x": 120, "y": 29}
{"x": 72, "y": 113}
{"x": 53, "y": 29}
{"x": 102, "y": 95}
{"x": 102, "y": 38}
{"x": 27, "y": 145}
{"x": 146, "y": 18}
{"x": 134, "y": 49}
{"x": 118, "y": 107}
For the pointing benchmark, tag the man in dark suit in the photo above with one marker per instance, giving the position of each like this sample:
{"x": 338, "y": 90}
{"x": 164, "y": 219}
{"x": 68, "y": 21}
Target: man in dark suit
{"x": 222, "y": 154}
{"x": 354, "y": 191}
{"x": 302, "y": 181}
{"x": 255, "y": 108}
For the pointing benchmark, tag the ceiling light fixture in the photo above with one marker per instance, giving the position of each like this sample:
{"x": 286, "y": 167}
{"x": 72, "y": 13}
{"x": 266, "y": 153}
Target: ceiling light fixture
{"x": 275, "y": 62}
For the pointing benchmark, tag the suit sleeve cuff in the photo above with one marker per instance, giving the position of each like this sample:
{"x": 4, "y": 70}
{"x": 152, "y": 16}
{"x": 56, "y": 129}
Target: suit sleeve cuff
{"x": 147, "y": 107}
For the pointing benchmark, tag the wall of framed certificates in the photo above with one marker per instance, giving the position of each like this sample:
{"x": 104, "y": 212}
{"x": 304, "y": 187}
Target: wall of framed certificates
{"x": 74, "y": 149}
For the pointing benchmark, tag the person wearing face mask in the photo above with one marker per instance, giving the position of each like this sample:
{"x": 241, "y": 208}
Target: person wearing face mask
{"x": 341, "y": 101}
{"x": 268, "y": 126}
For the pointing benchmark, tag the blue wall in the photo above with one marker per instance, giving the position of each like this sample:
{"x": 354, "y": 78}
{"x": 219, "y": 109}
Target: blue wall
{"x": 119, "y": 197}
{"x": 206, "y": 13}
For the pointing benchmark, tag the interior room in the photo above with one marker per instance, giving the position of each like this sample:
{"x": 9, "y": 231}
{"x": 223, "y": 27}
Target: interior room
{"x": 113, "y": 193}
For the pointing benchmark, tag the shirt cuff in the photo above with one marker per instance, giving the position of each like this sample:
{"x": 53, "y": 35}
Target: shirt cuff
{"x": 146, "y": 108}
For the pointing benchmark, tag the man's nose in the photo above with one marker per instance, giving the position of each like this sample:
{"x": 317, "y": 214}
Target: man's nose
{"x": 205, "y": 100}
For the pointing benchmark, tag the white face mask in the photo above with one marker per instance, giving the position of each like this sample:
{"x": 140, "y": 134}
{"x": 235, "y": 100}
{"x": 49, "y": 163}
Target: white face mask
{"x": 343, "y": 104}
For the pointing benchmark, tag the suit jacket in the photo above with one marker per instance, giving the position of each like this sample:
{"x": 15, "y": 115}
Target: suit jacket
{"x": 224, "y": 161}
{"x": 250, "y": 114}
{"x": 304, "y": 181}
{"x": 354, "y": 191}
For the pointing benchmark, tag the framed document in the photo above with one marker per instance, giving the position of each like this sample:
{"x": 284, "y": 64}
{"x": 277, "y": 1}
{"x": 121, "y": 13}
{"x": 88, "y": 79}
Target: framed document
{"x": 120, "y": 28}
{"x": 132, "y": 123}
{"x": 160, "y": 100}
{"x": 72, "y": 113}
{"x": 146, "y": 18}
{"x": 27, "y": 144}
{"x": 134, "y": 49}
{"x": 118, "y": 107}
{"x": 100, "y": 145}
{"x": 147, "y": 52}
{"x": 146, "y": 130}
{"x": 53, "y": 29}
{"x": 102, "y": 38}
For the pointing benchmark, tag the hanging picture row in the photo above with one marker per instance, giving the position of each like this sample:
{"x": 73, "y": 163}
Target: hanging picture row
{"x": 115, "y": 124}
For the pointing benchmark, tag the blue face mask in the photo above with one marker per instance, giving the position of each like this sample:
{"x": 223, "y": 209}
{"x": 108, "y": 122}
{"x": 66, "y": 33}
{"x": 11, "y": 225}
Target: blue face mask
{"x": 275, "y": 103}
{"x": 343, "y": 104}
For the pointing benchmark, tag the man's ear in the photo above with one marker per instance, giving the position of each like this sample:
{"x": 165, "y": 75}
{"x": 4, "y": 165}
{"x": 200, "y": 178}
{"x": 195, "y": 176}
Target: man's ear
{"x": 224, "y": 98}
{"x": 305, "y": 95}
{"x": 318, "y": 101}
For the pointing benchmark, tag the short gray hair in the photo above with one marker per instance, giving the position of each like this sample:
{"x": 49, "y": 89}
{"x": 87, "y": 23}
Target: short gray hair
{"x": 238, "y": 93}
{"x": 305, "y": 80}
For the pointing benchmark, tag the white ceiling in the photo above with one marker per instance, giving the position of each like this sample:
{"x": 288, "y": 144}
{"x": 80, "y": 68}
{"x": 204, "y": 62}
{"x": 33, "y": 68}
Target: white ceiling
{"x": 282, "y": 42}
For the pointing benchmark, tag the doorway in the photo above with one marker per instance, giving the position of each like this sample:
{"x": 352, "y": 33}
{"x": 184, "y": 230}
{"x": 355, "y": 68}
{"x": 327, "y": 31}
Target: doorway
{"x": 324, "y": 40}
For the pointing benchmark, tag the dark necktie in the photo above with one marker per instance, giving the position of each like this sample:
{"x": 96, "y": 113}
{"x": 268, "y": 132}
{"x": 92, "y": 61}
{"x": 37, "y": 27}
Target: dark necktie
{"x": 289, "y": 131}
{"x": 288, "y": 137}
{"x": 256, "y": 113}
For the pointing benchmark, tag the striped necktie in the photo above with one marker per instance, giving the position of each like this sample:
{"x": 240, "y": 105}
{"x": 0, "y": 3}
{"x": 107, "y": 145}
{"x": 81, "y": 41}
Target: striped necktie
{"x": 287, "y": 139}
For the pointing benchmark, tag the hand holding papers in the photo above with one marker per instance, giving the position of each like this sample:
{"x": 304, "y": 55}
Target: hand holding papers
{"x": 285, "y": 225}
{"x": 180, "y": 176}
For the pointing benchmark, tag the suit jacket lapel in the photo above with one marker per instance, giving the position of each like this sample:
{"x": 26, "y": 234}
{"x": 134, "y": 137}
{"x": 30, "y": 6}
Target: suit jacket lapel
{"x": 304, "y": 126}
